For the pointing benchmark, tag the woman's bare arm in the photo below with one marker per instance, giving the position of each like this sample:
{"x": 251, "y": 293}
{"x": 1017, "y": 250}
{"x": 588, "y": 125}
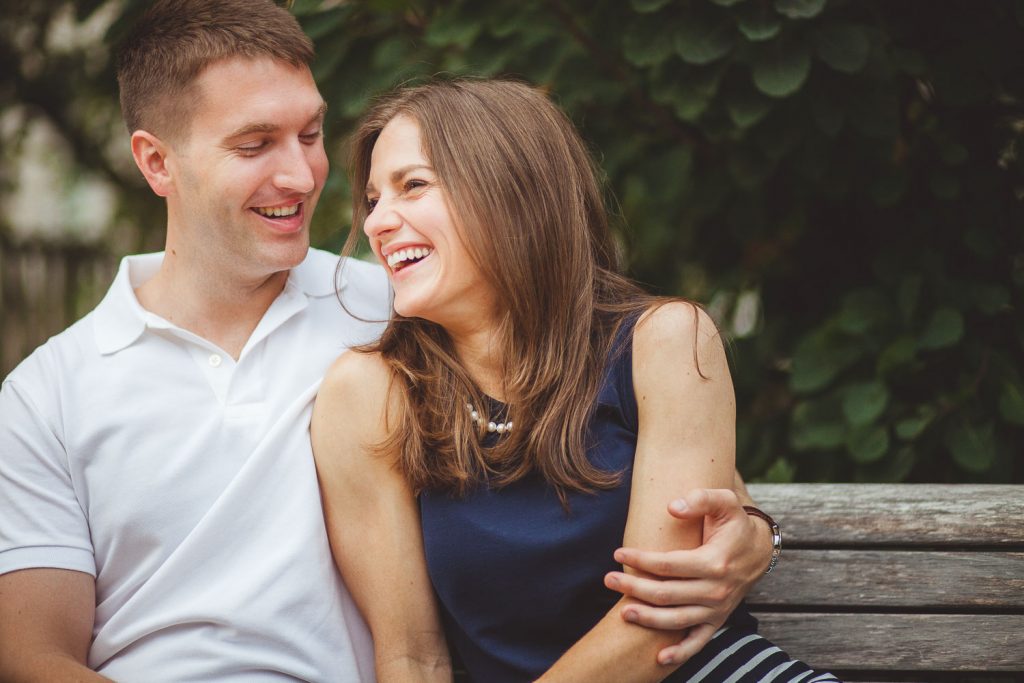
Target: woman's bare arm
{"x": 686, "y": 441}
{"x": 373, "y": 523}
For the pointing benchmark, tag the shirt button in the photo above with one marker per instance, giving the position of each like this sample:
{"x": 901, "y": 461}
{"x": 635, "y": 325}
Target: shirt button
{"x": 215, "y": 361}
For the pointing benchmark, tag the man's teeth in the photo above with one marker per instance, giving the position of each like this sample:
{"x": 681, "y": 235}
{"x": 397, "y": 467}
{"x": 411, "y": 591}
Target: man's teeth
{"x": 277, "y": 211}
{"x": 400, "y": 258}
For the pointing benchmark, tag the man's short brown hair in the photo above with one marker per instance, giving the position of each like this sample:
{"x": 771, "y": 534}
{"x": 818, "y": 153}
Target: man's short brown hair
{"x": 175, "y": 40}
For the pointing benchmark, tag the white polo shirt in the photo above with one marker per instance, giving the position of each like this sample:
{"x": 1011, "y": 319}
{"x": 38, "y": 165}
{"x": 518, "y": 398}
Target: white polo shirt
{"x": 144, "y": 455}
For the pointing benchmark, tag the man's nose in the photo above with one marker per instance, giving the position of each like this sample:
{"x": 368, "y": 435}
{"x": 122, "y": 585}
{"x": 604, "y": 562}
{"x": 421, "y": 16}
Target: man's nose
{"x": 295, "y": 173}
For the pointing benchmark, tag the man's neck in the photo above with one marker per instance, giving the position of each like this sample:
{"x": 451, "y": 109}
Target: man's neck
{"x": 222, "y": 307}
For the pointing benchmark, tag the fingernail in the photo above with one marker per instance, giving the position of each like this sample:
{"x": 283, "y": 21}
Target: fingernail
{"x": 668, "y": 660}
{"x": 679, "y": 505}
{"x": 612, "y": 580}
{"x": 630, "y": 616}
{"x": 619, "y": 555}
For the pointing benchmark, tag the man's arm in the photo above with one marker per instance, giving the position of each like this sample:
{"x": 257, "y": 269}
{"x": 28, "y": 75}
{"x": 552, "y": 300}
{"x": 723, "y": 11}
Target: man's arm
{"x": 46, "y": 620}
{"x": 702, "y": 586}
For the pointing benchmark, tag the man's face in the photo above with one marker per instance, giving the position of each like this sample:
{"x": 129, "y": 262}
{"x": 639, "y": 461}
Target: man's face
{"x": 249, "y": 174}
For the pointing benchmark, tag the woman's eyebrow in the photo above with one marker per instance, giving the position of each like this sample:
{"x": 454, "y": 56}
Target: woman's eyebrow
{"x": 398, "y": 174}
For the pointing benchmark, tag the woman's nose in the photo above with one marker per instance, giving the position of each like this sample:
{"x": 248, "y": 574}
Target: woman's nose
{"x": 381, "y": 219}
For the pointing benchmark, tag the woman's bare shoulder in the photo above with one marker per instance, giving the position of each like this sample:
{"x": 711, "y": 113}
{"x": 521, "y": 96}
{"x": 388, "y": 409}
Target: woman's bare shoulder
{"x": 355, "y": 386}
{"x": 678, "y": 327}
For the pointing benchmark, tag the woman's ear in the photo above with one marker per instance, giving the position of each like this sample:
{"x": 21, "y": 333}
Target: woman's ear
{"x": 150, "y": 154}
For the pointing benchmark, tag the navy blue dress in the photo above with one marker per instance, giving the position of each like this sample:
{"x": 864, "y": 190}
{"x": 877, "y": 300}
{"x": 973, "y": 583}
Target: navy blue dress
{"x": 520, "y": 580}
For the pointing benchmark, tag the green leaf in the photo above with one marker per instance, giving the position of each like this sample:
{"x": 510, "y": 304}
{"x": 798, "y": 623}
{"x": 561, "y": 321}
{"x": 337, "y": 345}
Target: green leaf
{"x": 972, "y": 447}
{"x": 647, "y": 6}
{"x": 505, "y": 19}
{"x": 945, "y": 329}
{"x": 749, "y": 169}
{"x": 944, "y": 186}
{"x": 889, "y": 186}
{"x": 703, "y": 37}
{"x": 818, "y": 437}
{"x": 867, "y": 444}
{"x": 828, "y": 115}
{"x": 910, "y": 62}
{"x": 452, "y": 27}
{"x": 799, "y": 9}
{"x": 909, "y": 428}
{"x": 908, "y": 295}
{"x": 865, "y": 402}
{"x": 819, "y": 358}
{"x": 893, "y": 468}
{"x": 953, "y": 154}
{"x": 757, "y": 22}
{"x": 648, "y": 41}
{"x": 863, "y": 310}
{"x": 1011, "y": 403}
{"x": 815, "y": 425}
{"x": 316, "y": 26}
{"x": 981, "y": 242}
{"x": 391, "y": 53}
{"x": 844, "y": 47}
{"x": 781, "y": 472}
{"x": 688, "y": 90}
{"x": 900, "y": 353}
{"x": 990, "y": 299}
{"x": 781, "y": 68}
{"x": 746, "y": 107}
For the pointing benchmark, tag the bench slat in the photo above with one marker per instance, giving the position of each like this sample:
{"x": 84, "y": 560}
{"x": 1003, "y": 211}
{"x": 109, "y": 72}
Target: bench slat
{"x": 893, "y": 578}
{"x": 823, "y": 515}
{"x": 901, "y": 642}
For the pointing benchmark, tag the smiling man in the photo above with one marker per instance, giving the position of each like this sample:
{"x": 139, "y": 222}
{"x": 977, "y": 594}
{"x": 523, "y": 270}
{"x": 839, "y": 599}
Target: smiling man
{"x": 160, "y": 518}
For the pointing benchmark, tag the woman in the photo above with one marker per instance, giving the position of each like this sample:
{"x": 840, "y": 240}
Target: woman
{"x": 525, "y": 411}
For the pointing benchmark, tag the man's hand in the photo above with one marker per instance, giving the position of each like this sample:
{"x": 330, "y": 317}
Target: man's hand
{"x": 696, "y": 589}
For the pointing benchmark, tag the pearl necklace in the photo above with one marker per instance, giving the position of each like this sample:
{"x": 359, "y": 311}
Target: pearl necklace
{"x": 499, "y": 427}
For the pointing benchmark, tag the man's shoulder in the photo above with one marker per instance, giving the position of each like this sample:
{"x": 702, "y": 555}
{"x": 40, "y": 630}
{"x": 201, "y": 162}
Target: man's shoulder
{"x": 362, "y": 272}
{"x": 54, "y": 360}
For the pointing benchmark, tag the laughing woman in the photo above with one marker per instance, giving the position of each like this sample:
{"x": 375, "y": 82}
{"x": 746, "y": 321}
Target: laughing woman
{"x": 526, "y": 411}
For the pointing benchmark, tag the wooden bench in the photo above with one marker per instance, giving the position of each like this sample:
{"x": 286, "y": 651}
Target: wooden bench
{"x": 903, "y": 582}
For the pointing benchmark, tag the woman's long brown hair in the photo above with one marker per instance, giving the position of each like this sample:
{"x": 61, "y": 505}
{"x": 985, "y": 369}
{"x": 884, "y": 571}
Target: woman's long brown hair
{"x": 526, "y": 197}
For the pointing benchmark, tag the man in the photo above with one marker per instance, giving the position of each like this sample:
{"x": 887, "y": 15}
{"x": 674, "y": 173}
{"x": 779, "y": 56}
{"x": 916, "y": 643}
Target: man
{"x": 160, "y": 512}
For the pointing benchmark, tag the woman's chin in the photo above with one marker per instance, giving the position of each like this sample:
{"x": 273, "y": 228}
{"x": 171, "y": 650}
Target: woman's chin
{"x": 408, "y": 309}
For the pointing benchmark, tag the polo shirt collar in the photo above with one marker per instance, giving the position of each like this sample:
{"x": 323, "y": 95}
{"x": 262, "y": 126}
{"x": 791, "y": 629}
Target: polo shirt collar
{"x": 120, "y": 319}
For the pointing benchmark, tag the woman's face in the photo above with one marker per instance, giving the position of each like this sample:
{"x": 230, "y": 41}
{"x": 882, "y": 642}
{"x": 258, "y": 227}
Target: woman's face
{"x": 413, "y": 233}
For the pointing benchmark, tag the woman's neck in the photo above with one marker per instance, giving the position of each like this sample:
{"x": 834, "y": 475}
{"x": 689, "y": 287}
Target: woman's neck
{"x": 481, "y": 353}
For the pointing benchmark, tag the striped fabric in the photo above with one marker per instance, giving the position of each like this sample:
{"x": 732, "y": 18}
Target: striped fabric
{"x": 738, "y": 656}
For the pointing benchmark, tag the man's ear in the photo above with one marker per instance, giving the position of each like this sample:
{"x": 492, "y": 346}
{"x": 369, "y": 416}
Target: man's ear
{"x": 150, "y": 154}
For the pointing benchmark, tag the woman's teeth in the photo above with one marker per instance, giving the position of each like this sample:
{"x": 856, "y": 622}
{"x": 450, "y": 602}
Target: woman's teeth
{"x": 277, "y": 211}
{"x": 403, "y": 257}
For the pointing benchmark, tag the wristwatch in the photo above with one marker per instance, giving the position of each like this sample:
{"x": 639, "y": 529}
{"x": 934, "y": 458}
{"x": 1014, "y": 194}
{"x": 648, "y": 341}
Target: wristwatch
{"x": 776, "y": 534}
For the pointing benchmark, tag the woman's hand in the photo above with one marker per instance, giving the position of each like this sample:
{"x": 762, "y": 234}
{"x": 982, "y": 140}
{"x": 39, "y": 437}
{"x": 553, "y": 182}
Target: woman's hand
{"x": 698, "y": 588}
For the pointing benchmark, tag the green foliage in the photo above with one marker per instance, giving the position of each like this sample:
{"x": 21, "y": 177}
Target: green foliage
{"x": 837, "y": 157}
{"x": 860, "y": 165}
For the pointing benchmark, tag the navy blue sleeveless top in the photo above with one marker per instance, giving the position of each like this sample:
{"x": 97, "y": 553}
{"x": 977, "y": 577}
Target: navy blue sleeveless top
{"x": 520, "y": 580}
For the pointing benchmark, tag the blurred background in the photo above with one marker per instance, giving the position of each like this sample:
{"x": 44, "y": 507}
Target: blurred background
{"x": 839, "y": 182}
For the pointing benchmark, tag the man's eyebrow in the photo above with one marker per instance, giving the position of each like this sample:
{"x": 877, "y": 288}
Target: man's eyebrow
{"x": 265, "y": 128}
{"x": 398, "y": 174}
{"x": 321, "y": 113}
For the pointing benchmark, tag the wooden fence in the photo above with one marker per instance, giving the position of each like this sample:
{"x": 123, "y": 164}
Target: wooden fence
{"x": 43, "y": 289}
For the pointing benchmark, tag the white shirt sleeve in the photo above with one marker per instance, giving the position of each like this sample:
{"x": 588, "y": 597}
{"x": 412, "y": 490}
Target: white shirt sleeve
{"x": 42, "y": 523}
